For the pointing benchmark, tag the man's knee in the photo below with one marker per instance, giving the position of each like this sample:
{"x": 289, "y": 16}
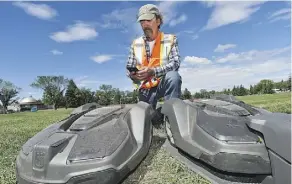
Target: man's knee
{"x": 172, "y": 85}
{"x": 173, "y": 78}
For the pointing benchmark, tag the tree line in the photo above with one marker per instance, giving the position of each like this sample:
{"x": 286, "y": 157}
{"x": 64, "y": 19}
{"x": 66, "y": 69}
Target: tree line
{"x": 264, "y": 86}
{"x": 63, "y": 92}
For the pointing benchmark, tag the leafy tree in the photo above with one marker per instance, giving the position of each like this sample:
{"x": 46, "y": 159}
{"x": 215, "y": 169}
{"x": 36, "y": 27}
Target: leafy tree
{"x": 228, "y": 91}
{"x": 282, "y": 85}
{"x": 117, "y": 97}
{"x": 265, "y": 86}
{"x": 105, "y": 94}
{"x": 135, "y": 96}
{"x": 72, "y": 100}
{"x": 197, "y": 95}
{"x": 186, "y": 94}
{"x": 289, "y": 83}
{"x": 234, "y": 91}
{"x": 8, "y": 91}
{"x": 251, "y": 90}
{"x": 84, "y": 96}
{"x": 204, "y": 93}
{"x": 53, "y": 87}
{"x": 129, "y": 97}
{"x": 242, "y": 91}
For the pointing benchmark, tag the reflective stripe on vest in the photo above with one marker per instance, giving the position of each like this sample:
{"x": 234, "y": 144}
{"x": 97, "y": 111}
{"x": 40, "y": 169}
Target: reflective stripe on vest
{"x": 159, "y": 56}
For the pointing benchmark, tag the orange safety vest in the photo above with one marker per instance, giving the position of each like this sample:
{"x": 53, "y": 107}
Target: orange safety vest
{"x": 159, "y": 57}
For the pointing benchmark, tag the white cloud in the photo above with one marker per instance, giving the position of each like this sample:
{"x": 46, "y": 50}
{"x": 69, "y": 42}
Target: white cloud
{"x": 233, "y": 57}
{"x": 252, "y": 68}
{"x": 84, "y": 81}
{"x": 282, "y": 14}
{"x": 125, "y": 19}
{"x": 227, "y": 12}
{"x": 222, "y": 48}
{"x": 190, "y": 33}
{"x": 194, "y": 37}
{"x": 76, "y": 32}
{"x": 196, "y": 60}
{"x": 253, "y": 55}
{"x": 41, "y": 11}
{"x": 101, "y": 58}
{"x": 169, "y": 10}
{"x": 186, "y": 32}
{"x": 56, "y": 52}
{"x": 178, "y": 20}
{"x": 119, "y": 19}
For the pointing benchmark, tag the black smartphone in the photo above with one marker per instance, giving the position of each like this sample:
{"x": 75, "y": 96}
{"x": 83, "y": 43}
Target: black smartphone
{"x": 132, "y": 69}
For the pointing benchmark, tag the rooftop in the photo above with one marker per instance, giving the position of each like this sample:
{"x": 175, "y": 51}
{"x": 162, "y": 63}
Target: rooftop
{"x": 28, "y": 100}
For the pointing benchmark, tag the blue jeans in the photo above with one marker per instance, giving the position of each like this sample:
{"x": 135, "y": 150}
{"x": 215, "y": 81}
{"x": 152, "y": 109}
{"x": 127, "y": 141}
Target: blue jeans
{"x": 169, "y": 87}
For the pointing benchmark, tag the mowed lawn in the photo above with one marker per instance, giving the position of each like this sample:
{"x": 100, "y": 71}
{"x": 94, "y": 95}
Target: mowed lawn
{"x": 158, "y": 167}
{"x": 280, "y": 102}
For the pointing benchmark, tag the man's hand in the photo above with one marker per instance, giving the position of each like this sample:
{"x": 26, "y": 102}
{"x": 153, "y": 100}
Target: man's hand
{"x": 143, "y": 74}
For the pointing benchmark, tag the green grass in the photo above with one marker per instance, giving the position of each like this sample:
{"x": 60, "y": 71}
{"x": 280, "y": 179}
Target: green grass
{"x": 15, "y": 130}
{"x": 280, "y": 102}
{"x": 158, "y": 167}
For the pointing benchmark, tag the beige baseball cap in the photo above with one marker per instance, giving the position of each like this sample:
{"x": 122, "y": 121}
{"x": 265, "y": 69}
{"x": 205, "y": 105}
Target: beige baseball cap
{"x": 147, "y": 12}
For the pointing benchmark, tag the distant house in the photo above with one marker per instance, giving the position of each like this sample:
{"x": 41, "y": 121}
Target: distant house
{"x": 27, "y": 103}
{"x": 277, "y": 90}
{"x": 14, "y": 107}
{"x": 280, "y": 90}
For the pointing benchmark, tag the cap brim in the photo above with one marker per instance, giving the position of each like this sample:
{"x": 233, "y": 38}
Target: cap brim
{"x": 149, "y": 16}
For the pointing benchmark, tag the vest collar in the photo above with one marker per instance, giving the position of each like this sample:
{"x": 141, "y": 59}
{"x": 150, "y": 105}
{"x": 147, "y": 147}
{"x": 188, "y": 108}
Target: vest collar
{"x": 144, "y": 36}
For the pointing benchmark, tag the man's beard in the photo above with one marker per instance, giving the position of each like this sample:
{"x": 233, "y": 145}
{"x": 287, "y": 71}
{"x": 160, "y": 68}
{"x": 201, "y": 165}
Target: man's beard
{"x": 148, "y": 32}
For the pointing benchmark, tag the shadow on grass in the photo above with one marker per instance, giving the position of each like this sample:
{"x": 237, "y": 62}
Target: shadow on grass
{"x": 138, "y": 174}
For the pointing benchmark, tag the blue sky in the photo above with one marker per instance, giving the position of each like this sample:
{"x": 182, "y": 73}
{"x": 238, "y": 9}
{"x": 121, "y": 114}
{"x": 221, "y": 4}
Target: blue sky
{"x": 221, "y": 43}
